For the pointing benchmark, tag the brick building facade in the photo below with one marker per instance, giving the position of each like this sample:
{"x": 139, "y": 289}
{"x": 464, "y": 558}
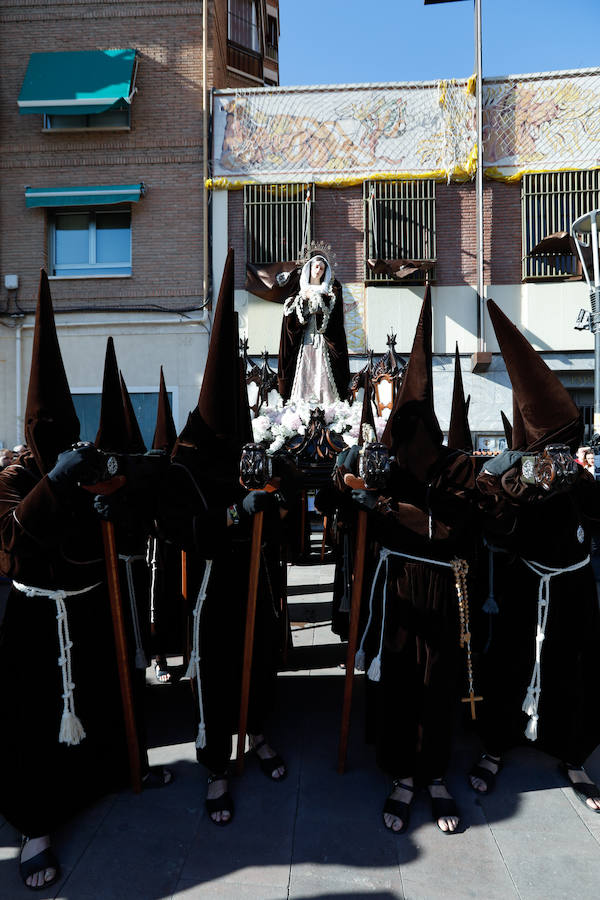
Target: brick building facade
{"x": 162, "y": 148}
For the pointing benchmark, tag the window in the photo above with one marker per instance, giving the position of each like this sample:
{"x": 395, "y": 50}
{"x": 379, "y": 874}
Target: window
{"x": 550, "y": 203}
{"x": 400, "y": 225}
{"x": 278, "y": 220}
{"x": 90, "y": 243}
{"x": 145, "y": 404}
{"x": 271, "y": 50}
{"x": 243, "y": 24}
{"x": 111, "y": 120}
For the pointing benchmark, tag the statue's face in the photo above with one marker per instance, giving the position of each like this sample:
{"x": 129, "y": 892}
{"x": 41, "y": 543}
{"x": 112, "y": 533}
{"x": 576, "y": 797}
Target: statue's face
{"x": 317, "y": 269}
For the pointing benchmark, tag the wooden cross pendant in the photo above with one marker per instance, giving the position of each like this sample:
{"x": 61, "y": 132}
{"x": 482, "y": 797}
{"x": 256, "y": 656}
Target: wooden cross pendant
{"x": 472, "y": 699}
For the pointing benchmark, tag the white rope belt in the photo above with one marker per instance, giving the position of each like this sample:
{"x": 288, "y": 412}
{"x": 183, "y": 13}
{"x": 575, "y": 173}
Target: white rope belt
{"x": 140, "y": 657}
{"x": 374, "y": 673}
{"x": 193, "y": 669}
{"x": 71, "y": 730}
{"x": 532, "y": 697}
{"x": 152, "y": 560}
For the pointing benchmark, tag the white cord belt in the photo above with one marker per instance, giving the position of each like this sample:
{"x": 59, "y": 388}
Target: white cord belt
{"x": 374, "y": 673}
{"x": 193, "y": 669}
{"x": 140, "y": 657}
{"x": 71, "y": 730}
{"x": 532, "y": 697}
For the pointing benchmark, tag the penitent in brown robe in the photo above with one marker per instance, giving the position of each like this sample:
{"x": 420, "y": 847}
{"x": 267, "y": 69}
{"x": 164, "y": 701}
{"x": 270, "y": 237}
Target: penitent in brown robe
{"x": 412, "y": 709}
{"x": 552, "y": 529}
{"x": 52, "y": 542}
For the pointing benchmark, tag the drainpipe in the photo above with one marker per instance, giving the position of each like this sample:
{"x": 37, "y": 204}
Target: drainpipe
{"x": 18, "y": 386}
{"x": 205, "y": 266}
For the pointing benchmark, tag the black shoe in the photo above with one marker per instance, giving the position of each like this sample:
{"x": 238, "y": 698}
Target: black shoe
{"x": 45, "y": 859}
{"x": 488, "y": 777}
{"x": 398, "y": 808}
{"x": 442, "y": 807}
{"x": 224, "y": 803}
{"x": 583, "y": 791}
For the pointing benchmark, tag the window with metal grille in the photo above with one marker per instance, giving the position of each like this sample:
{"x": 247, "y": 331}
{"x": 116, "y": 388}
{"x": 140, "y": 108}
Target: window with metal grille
{"x": 399, "y": 225}
{"x": 278, "y": 221}
{"x": 550, "y": 203}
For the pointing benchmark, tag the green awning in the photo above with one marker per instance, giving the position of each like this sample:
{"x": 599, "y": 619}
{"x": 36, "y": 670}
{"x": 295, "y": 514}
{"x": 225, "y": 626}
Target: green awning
{"x": 96, "y": 195}
{"x": 78, "y": 83}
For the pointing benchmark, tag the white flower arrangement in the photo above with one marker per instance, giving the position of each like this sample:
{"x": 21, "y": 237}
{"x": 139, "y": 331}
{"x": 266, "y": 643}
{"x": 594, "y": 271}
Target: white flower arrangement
{"x": 276, "y": 424}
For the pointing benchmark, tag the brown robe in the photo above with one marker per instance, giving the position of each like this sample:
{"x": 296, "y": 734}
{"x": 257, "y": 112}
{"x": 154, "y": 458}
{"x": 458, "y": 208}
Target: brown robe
{"x": 411, "y": 710}
{"x": 51, "y": 541}
{"x": 553, "y": 529}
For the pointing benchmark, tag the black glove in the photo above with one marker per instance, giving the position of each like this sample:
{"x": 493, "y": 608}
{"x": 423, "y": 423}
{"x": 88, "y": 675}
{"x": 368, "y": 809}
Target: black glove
{"x": 260, "y": 501}
{"x": 117, "y": 508}
{"x": 81, "y": 465}
{"x": 503, "y": 462}
{"x": 365, "y": 499}
{"x": 349, "y": 459}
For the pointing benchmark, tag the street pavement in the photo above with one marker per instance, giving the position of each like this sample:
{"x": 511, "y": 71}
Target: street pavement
{"x": 319, "y": 834}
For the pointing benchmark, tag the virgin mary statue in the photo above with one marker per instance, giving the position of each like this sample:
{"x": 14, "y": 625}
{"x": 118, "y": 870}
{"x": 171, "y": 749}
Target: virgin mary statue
{"x": 313, "y": 353}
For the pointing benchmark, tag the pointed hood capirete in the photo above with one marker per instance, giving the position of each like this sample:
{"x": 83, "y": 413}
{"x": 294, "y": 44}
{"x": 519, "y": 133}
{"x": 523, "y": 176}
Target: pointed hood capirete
{"x": 507, "y": 429}
{"x": 112, "y": 432}
{"x": 459, "y": 433}
{"x": 549, "y": 414}
{"x": 216, "y": 419}
{"x": 51, "y": 423}
{"x": 135, "y": 441}
{"x": 366, "y": 416}
{"x": 165, "y": 433}
{"x": 414, "y": 401}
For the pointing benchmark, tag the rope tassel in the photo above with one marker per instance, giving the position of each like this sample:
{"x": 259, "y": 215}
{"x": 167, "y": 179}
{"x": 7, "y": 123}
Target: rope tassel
{"x": 193, "y": 669}
{"x": 534, "y": 689}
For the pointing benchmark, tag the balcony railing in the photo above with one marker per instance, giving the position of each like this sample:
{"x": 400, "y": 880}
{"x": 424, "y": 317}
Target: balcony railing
{"x": 244, "y": 60}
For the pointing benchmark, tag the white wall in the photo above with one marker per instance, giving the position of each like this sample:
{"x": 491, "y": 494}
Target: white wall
{"x": 142, "y": 342}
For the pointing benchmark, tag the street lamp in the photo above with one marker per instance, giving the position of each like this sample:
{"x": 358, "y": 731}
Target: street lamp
{"x": 584, "y": 225}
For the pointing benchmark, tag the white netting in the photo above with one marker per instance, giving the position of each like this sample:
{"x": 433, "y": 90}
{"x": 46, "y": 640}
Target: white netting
{"x": 343, "y": 135}
{"x": 541, "y": 123}
{"x": 346, "y": 134}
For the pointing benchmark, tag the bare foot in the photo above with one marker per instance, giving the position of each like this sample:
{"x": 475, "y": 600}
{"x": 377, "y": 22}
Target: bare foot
{"x": 449, "y": 822}
{"x": 580, "y": 776}
{"x": 492, "y": 764}
{"x": 404, "y": 793}
{"x": 264, "y": 751}
{"x": 31, "y": 848}
{"x": 216, "y": 789}
{"x": 161, "y": 670}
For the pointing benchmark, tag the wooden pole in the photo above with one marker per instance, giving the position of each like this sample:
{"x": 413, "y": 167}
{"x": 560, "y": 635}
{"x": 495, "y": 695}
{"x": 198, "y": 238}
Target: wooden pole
{"x": 116, "y": 608}
{"x": 324, "y": 538}
{"x": 257, "y": 526}
{"x": 357, "y": 586}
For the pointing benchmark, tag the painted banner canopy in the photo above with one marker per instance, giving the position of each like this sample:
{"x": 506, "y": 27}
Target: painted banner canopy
{"x": 345, "y": 134}
{"x": 78, "y": 83}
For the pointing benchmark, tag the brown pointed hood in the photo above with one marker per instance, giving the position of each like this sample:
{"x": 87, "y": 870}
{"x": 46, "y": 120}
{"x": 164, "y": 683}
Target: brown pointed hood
{"x": 112, "y": 433}
{"x": 518, "y": 439}
{"x": 135, "y": 441}
{"x": 507, "y": 429}
{"x": 216, "y": 419}
{"x": 548, "y": 412}
{"x": 51, "y": 423}
{"x": 414, "y": 401}
{"x": 459, "y": 433}
{"x": 366, "y": 416}
{"x": 165, "y": 433}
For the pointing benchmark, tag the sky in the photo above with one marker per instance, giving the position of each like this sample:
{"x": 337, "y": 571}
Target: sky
{"x": 346, "y": 41}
